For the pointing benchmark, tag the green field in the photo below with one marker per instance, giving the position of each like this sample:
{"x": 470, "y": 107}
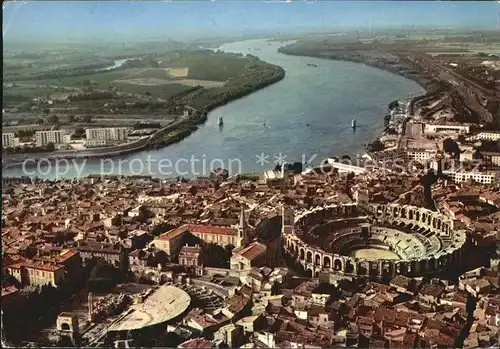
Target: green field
{"x": 103, "y": 80}
{"x": 30, "y": 92}
{"x": 198, "y": 65}
{"x": 206, "y": 65}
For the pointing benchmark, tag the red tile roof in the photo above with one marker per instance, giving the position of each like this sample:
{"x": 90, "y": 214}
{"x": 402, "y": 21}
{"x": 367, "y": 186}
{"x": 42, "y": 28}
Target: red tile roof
{"x": 200, "y": 229}
{"x": 65, "y": 255}
{"x": 39, "y": 265}
{"x": 252, "y": 251}
{"x": 197, "y": 343}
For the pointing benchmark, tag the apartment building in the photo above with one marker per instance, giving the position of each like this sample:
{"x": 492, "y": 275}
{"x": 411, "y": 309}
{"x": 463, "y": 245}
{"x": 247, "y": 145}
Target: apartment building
{"x": 491, "y": 158}
{"x": 488, "y": 135}
{"x": 475, "y": 176}
{"x": 108, "y": 133}
{"x": 53, "y": 136}
{"x": 447, "y": 128}
{"x": 420, "y": 155}
{"x": 94, "y": 143}
{"x": 9, "y": 140}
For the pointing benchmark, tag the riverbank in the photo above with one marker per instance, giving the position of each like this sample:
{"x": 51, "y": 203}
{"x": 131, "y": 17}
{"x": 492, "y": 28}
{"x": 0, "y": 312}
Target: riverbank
{"x": 379, "y": 60}
{"x": 374, "y": 58}
{"x": 204, "y": 100}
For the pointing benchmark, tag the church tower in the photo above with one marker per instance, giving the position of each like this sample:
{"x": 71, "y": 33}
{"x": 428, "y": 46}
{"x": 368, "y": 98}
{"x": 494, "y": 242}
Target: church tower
{"x": 243, "y": 237}
{"x": 287, "y": 219}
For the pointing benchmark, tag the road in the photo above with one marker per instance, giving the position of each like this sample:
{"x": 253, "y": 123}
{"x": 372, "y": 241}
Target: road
{"x": 441, "y": 68}
{"x": 468, "y": 89}
{"x": 18, "y": 159}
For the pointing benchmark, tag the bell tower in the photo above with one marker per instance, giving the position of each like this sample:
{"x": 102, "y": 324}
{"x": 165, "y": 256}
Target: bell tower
{"x": 243, "y": 237}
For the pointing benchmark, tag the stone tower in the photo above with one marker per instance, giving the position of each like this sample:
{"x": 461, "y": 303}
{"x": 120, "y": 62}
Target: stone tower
{"x": 243, "y": 237}
{"x": 287, "y": 219}
{"x": 91, "y": 307}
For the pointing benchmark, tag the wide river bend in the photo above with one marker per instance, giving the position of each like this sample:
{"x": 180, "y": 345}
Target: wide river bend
{"x": 305, "y": 117}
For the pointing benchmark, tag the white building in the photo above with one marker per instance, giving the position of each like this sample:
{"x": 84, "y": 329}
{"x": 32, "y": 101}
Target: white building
{"x": 108, "y": 133}
{"x": 420, "y": 155}
{"x": 9, "y": 140}
{"x": 345, "y": 168}
{"x": 92, "y": 143}
{"x": 66, "y": 139}
{"x": 55, "y": 136}
{"x": 487, "y": 135}
{"x": 491, "y": 158}
{"x": 464, "y": 176}
{"x": 447, "y": 128}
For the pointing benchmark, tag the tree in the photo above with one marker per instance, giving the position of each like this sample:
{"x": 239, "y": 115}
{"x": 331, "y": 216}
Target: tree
{"x": 103, "y": 276}
{"x": 87, "y": 118}
{"x": 71, "y": 118}
{"x": 50, "y": 147}
{"x": 40, "y": 121}
{"x": 451, "y": 147}
{"x": 79, "y": 131}
{"x": 53, "y": 120}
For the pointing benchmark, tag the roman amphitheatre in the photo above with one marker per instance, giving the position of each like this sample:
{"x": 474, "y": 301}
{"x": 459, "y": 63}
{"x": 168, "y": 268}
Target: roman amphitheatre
{"x": 165, "y": 76}
{"x": 378, "y": 241}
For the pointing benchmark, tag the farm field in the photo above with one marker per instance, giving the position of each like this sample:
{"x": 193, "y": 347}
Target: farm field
{"x": 205, "y": 65}
{"x": 28, "y": 91}
{"x": 105, "y": 80}
{"x": 102, "y": 80}
{"x": 161, "y": 76}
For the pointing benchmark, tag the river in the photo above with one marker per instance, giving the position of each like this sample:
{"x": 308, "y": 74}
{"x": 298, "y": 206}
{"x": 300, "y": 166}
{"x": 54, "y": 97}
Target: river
{"x": 118, "y": 63}
{"x": 305, "y": 117}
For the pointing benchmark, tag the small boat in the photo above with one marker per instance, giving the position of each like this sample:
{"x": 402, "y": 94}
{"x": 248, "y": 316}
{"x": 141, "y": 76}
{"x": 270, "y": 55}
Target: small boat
{"x": 353, "y": 123}
{"x": 311, "y": 65}
{"x": 220, "y": 121}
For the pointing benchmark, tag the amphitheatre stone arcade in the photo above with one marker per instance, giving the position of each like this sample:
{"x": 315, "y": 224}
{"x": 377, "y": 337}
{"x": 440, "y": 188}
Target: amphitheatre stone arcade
{"x": 376, "y": 241}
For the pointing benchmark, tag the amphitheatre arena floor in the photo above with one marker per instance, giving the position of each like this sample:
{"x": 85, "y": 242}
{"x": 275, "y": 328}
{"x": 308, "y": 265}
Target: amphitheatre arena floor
{"x": 374, "y": 254}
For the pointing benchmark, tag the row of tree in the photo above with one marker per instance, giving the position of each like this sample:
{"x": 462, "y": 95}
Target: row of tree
{"x": 49, "y": 147}
{"x": 256, "y": 76}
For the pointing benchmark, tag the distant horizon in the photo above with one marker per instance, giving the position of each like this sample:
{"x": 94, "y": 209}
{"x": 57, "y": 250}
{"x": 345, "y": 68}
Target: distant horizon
{"x": 44, "y": 21}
